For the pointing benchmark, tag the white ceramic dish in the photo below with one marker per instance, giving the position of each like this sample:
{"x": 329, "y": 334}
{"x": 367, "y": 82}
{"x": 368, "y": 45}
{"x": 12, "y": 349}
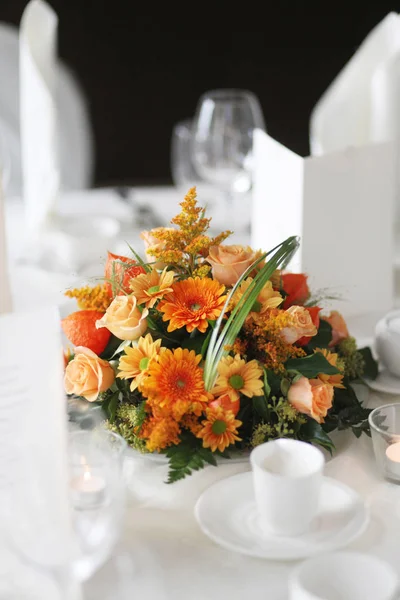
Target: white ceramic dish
{"x": 385, "y": 383}
{"x": 226, "y": 513}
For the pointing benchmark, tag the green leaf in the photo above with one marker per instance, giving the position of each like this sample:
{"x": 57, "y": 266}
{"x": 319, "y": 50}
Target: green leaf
{"x": 323, "y": 337}
{"x": 196, "y": 342}
{"x": 370, "y": 364}
{"x": 121, "y": 347}
{"x": 285, "y": 385}
{"x": 186, "y": 458}
{"x": 139, "y": 260}
{"x": 110, "y": 406}
{"x": 260, "y": 406}
{"x": 313, "y": 432}
{"x": 267, "y": 387}
{"x": 141, "y": 415}
{"x": 111, "y": 348}
{"x": 311, "y": 366}
{"x": 274, "y": 382}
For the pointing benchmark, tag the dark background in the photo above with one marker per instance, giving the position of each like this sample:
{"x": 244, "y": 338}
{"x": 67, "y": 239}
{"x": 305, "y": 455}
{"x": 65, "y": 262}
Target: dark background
{"x": 143, "y": 67}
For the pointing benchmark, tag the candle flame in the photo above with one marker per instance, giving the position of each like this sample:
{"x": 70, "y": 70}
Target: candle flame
{"x": 87, "y": 475}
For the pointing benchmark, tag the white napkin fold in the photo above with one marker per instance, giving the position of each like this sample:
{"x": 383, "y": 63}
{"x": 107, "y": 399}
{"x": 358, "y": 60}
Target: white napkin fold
{"x": 361, "y": 105}
{"x": 38, "y": 42}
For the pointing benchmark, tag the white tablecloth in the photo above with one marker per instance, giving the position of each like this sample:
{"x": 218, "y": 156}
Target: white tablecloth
{"x": 169, "y": 555}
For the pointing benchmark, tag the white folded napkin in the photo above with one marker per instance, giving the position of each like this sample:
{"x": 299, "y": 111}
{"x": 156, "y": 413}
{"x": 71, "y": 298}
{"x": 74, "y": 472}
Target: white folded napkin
{"x": 361, "y": 105}
{"x": 38, "y": 42}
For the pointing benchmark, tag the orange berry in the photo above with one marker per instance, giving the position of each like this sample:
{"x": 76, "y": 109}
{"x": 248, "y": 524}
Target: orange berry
{"x": 80, "y": 329}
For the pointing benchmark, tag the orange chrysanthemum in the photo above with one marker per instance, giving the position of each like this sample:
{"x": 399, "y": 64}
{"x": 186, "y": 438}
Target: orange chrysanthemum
{"x": 135, "y": 362}
{"x": 160, "y": 433}
{"x": 175, "y": 384}
{"x": 332, "y": 358}
{"x": 220, "y": 429}
{"x": 236, "y": 376}
{"x": 192, "y": 303}
{"x": 150, "y": 287}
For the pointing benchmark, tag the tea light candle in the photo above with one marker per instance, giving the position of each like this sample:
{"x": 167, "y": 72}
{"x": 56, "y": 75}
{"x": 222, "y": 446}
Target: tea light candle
{"x": 393, "y": 459}
{"x": 88, "y": 490}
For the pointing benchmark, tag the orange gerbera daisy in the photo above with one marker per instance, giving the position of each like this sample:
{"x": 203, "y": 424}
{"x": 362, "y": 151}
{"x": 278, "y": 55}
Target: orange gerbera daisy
{"x": 219, "y": 430}
{"x": 175, "y": 382}
{"x": 192, "y": 303}
{"x": 135, "y": 362}
{"x": 332, "y": 358}
{"x": 266, "y": 299}
{"x": 236, "y": 376}
{"x": 150, "y": 287}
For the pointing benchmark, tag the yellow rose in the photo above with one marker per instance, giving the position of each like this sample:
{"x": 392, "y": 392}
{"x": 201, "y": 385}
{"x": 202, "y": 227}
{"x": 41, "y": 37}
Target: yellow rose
{"x": 301, "y": 325}
{"x": 87, "y": 375}
{"x": 152, "y": 242}
{"x": 312, "y": 397}
{"x": 124, "y": 319}
{"x": 230, "y": 262}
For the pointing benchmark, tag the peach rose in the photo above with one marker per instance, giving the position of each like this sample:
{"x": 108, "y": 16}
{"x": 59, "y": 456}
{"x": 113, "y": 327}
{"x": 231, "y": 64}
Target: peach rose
{"x": 339, "y": 327}
{"x": 87, "y": 375}
{"x": 152, "y": 242}
{"x": 230, "y": 262}
{"x": 124, "y": 319}
{"x": 312, "y": 397}
{"x": 302, "y": 325}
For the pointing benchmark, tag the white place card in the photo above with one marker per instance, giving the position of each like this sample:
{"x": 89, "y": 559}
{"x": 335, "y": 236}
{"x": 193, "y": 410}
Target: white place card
{"x": 341, "y": 205}
{"x": 35, "y": 519}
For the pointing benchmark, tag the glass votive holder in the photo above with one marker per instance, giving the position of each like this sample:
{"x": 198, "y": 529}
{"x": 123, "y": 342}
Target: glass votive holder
{"x": 385, "y": 432}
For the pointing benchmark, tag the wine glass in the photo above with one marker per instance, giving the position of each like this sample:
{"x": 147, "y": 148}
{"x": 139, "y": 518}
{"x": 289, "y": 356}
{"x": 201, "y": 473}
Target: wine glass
{"x": 222, "y": 140}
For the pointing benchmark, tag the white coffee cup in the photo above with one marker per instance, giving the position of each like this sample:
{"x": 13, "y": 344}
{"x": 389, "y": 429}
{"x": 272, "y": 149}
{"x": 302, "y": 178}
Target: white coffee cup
{"x": 387, "y": 342}
{"x": 343, "y": 576}
{"x": 287, "y": 478}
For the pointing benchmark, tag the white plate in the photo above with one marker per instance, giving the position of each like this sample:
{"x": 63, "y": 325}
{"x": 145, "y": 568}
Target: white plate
{"x": 385, "y": 383}
{"x": 226, "y": 513}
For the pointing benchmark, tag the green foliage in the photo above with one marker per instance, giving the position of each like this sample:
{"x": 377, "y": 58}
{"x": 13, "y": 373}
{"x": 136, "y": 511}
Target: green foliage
{"x": 310, "y": 366}
{"x": 347, "y": 412}
{"x": 370, "y": 369}
{"x": 323, "y": 337}
{"x": 354, "y": 363}
{"x": 278, "y": 419}
{"x": 314, "y": 433}
{"x": 187, "y": 457}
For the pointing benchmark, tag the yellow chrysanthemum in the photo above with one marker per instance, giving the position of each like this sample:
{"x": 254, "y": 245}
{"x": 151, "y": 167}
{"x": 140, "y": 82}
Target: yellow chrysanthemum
{"x": 135, "y": 362}
{"x": 175, "y": 384}
{"x": 266, "y": 299}
{"x": 150, "y": 287}
{"x": 220, "y": 429}
{"x": 160, "y": 433}
{"x": 236, "y": 376}
{"x": 192, "y": 303}
{"x": 332, "y": 358}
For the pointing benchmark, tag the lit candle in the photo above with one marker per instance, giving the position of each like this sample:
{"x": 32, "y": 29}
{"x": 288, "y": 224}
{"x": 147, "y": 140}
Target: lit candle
{"x": 393, "y": 460}
{"x": 88, "y": 490}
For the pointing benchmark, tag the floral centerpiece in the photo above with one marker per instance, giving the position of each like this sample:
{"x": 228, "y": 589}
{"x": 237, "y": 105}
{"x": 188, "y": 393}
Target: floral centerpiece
{"x": 201, "y": 349}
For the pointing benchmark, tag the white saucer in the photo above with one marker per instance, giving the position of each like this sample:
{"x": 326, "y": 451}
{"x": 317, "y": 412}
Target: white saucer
{"x": 385, "y": 383}
{"x": 226, "y": 513}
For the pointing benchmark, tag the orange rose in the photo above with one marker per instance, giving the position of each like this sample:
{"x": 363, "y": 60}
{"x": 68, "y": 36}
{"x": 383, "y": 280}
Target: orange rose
{"x": 312, "y": 397}
{"x": 230, "y": 262}
{"x": 339, "y": 327}
{"x": 124, "y": 319}
{"x": 120, "y": 274}
{"x": 87, "y": 375}
{"x": 226, "y": 403}
{"x": 296, "y": 288}
{"x": 302, "y": 325}
{"x": 152, "y": 242}
{"x": 314, "y": 314}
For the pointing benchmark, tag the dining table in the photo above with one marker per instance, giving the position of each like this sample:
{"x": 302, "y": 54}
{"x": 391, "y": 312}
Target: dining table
{"x": 162, "y": 551}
